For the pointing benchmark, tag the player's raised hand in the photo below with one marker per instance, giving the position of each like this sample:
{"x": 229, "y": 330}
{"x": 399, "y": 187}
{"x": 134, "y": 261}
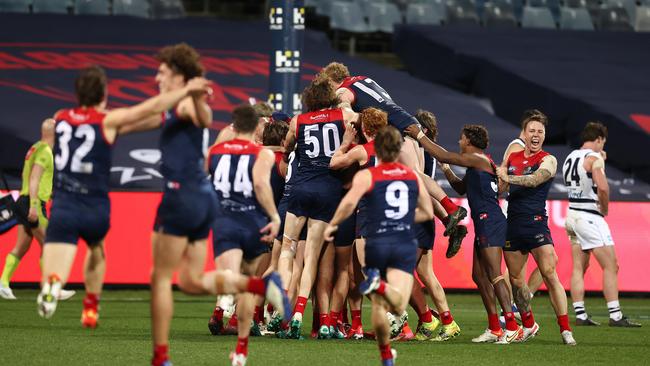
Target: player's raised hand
{"x": 413, "y": 131}
{"x": 198, "y": 86}
{"x": 271, "y": 230}
{"x": 350, "y": 134}
{"x": 328, "y": 234}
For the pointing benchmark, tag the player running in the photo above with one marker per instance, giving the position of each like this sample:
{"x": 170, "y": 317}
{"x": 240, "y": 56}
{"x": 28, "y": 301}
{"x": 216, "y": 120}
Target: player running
{"x": 36, "y": 190}
{"x": 481, "y": 186}
{"x": 241, "y": 173}
{"x": 584, "y": 177}
{"x": 394, "y": 198}
{"x": 81, "y": 207}
{"x": 529, "y": 174}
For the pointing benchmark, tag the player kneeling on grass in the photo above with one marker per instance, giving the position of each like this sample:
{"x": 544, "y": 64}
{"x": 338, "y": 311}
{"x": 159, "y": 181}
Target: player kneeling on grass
{"x": 395, "y": 198}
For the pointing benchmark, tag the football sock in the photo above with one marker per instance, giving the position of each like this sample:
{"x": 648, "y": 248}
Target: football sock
{"x": 615, "y": 310}
{"x": 324, "y": 319}
{"x": 385, "y": 352}
{"x": 511, "y": 323}
{"x": 356, "y": 318}
{"x": 493, "y": 322}
{"x": 301, "y": 303}
{"x": 446, "y": 317}
{"x": 160, "y": 354}
{"x": 448, "y": 205}
{"x": 527, "y": 319}
{"x": 11, "y": 263}
{"x": 563, "y": 322}
{"x": 426, "y": 316}
{"x": 256, "y": 286}
{"x": 91, "y": 301}
{"x": 381, "y": 290}
{"x": 581, "y": 311}
{"x": 242, "y": 346}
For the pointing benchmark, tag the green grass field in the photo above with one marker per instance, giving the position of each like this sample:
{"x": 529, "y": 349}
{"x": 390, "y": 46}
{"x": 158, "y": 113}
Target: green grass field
{"x": 123, "y": 337}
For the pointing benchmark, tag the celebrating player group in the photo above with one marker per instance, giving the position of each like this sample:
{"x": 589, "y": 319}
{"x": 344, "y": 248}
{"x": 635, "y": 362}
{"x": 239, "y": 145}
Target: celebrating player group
{"x": 336, "y": 205}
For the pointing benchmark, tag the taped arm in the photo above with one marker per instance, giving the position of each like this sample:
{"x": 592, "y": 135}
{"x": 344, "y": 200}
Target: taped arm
{"x": 546, "y": 171}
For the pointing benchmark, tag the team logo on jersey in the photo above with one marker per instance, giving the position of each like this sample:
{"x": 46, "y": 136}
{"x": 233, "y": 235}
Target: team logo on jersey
{"x": 539, "y": 238}
{"x": 511, "y": 169}
{"x": 276, "y": 18}
{"x": 494, "y": 186}
{"x": 394, "y": 172}
{"x": 527, "y": 170}
{"x": 318, "y": 116}
{"x": 538, "y": 218}
{"x": 507, "y": 244}
{"x": 483, "y": 216}
{"x": 287, "y": 61}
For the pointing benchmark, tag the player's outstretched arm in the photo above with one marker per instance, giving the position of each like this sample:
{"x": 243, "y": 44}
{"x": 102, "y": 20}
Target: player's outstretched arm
{"x": 360, "y": 185}
{"x": 546, "y": 171}
{"x": 264, "y": 193}
{"x": 456, "y": 183}
{"x": 152, "y": 106}
{"x": 441, "y": 154}
{"x": 424, "y": 211}
{"x": 597, "y": 168}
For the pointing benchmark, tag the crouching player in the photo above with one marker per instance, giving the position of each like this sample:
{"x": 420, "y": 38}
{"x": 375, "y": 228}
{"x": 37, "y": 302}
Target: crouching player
{"x": 394, "y": 198}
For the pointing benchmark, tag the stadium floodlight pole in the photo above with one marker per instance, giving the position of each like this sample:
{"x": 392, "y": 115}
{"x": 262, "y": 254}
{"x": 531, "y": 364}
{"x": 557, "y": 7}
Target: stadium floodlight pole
{"x": 287, "y": 27}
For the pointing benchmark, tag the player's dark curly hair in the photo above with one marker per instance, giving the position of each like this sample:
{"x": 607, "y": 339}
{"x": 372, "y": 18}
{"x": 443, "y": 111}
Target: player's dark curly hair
{"x": 429, "y": 122}
{"x": 593, "y": 130}
{"x": 388, "y": 144}
{"x": 477, "y": 135}
{"x": 274, "y": 133}
{"x": 244, "y": 118}
{"x": 320, "y": 94}
{"x": 533, "y": 115}
{"x": 90, "y": 86}
{"x": 182, "y": 59}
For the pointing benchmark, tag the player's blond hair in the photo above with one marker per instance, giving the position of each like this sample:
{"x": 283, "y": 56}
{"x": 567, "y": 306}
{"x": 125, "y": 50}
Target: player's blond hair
{"x": 335, "y": 71}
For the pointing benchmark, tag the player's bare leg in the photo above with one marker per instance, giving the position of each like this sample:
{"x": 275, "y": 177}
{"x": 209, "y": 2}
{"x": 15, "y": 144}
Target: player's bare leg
{"x": 546, "y": 262}
{"x": 490, "y": 261}
{"x": 245, "y": 308}
{"x": 486, "y": 290}
{"x": 450, "y": 328}
{"x": 606, "y": 257}
{"x": 296, "y": 274}
{"x": 292, "y": 227}
{"x": 382, "y": 329}
{"x": 57, "y": 261}
{"x": 94, "y": 270}
{"x": 580, "y": 265}
{"x": 325, "y": 276}
{"x": 355, "y": 299}
{"x": 341, "y": 287}
{"x": 313, "y": 247}
{"x": 535, "y": 280}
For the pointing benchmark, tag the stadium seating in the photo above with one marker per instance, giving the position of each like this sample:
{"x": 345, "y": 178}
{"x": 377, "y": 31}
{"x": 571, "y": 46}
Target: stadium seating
{"x": 537, "y": 18}
{"x": 96, "y": 7}
{"x": 575, "y": 3}
{"x": 347, "y": 16}
{"x": 462, "y": 13}
{"x": 167, "y": 9}
{"x": 15, "y": 6}
{"x": 383, "y": 16}
{"x": 497, "y": 16}
{"x": 516, "y": 5}
{"x": 51, "y": 6}
{"x": 628, "y": 5}
{"x": 642, "y": 23}
{"x": 552, "y": 5}
{"x": 576, "y": 19}
{"x": 614, "y": 19}
{"x": 136, "y": 8}
{"x": 426, "y": 13}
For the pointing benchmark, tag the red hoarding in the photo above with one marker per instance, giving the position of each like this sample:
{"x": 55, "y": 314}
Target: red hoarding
{"x": 128, "y": 246}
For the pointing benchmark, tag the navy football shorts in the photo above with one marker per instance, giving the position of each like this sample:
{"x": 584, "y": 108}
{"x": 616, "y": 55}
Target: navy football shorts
{"x": 424, "y": 233}
{"x": 282, "y": 210}
{"x": 239, "y": 231}
{"x": 396, "y": 251}
{"x": 489, "y": 230}
{"x": 187, "y": 211}
{"x": 316, "y": 198}
{"x": 526, "y": 233}
{"x": 75, "y": 216}
{"x": 346, "y": 232}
